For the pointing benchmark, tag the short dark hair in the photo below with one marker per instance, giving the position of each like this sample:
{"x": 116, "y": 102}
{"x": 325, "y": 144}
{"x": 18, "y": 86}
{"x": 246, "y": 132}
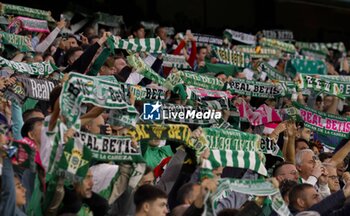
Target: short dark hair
{"x": 200, "y": 47}
{"x": 184, "y": 192}
{"x": 156, "y": 31}
{"x": 325, "y": 155}
{"x": 26, "y": 114}
{"x": 300, "y": 140}
{"x": 286, "y": 186}
{"x": 137, "y": 27}
{"x": 148, "y": 170}
{"x": 71, "y": 52}
{"x": 29, "y": 126}
{"x": 296, "y": 192}
{"x": 278, "y": 166}
{"x": 220, "y": 73}
{"x": 147, "y": 193}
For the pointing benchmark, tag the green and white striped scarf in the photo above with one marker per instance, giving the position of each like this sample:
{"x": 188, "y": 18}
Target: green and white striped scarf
{"x": 318, "y": 85}
{"x": 145, "y": 70}
{"x": 36, "y": 68}
{"x": 86, "y": 89}
{"x": 194, "y": 79}
{"x": 241, "y": 159}
{"x": 10, "y": 9}
{"x": 176, "y": 61}
{"x": 151, "y": 45}
{"x": 261, "y": 89}
{"x": 75, "y": 161}
{"x": 22, "y": 43}
{"x": 286, "y": 47}
{"x": 240, "y": 36}
{"x": 228, "y": 56}
{"x": 264, "y": 52}
{"x": 272, "y": 73}
{"x": 109, "y": 148}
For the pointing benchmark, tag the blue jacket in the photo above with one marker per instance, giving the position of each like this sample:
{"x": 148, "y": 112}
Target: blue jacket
{"x": 8, "y": 193}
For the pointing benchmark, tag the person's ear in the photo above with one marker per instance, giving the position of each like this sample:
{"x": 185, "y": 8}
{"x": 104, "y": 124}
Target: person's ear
{"x": 298, "y": 167}
{"x": 146, "y": 207}
{"x": 301, "y": 202}
{"x": 30, "y": 135}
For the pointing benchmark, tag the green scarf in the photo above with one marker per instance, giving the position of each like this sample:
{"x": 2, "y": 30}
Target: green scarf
{"x": 75, "y": 161}
{"x": 227, "y": 69}
{"x": 242, "y": 159}
{"x": 336, "y": 46}
{"x": 173, "y": 132}
{"x": 305, "y": 66}
{"x": 101, "y": 59}
{"x": 317, "y": 47}
{"x": 10, "y": 9}
{"x": 343, "y": 83}
{"x": 318, "y": 85}
{"x": 282, "y": 35}
{"x": 144, "y": 93}
{"x": 228, "y": 56}
{"x": 145, "y": 70}
{"x": 85, "y": 89}
{"x": 122, "y": 118}
{"x": 286, "y": 47}
{"x": 176, "y": 61}
{"x": 151, "y": 45}
{"x": 194, "y": 79}
{"x": 36, "y": 68}
{"x": 22, "y": 43}
{"x": 268, "y": 146}
{"x": 109, "y": 148}
{"x": 204, "y": 40}
{"x": 230, "y": 139}
{"x": 239, "y": 36}
{"x": 313, "y": 54}
{"x": 324, "y": 123}
{"x": 272, "y": 73}
{"x": 261, "y": 89}
{"x": 264, "y": 52}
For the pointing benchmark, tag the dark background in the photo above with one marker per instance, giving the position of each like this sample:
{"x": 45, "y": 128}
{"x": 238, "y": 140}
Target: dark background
{"x": 310, "y": 20}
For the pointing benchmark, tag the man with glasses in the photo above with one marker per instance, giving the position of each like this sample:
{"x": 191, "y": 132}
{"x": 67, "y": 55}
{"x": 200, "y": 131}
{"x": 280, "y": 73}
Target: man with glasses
{"x": 333, "y": 180}
{"x": 285, "y": 171}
